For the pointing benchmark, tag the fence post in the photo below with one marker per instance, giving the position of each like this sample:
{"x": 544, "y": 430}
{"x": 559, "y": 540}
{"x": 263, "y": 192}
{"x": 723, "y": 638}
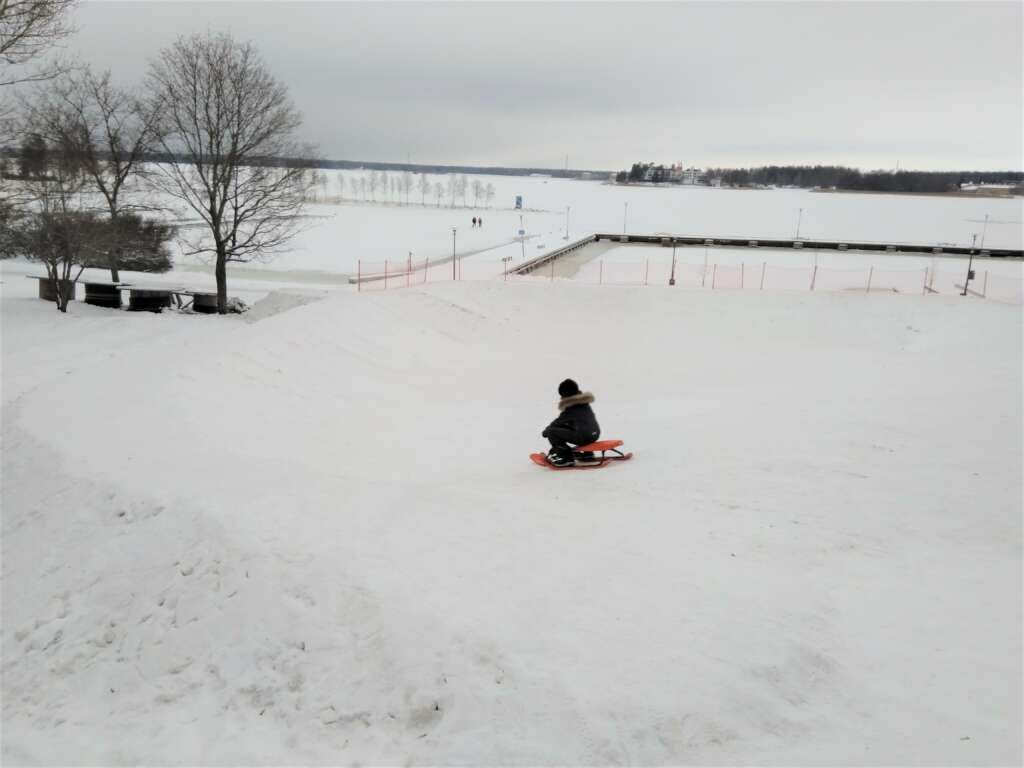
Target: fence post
{"x": 984, "y": 287}
{"x": 385, "y": 274}
{"x": 600, "y": 272}
{"x": 870, "y": 273}
{"x": 359, "y": 275}
{"x": 714, "y": 273}
{"x": 814, "y": 276}
{"x": 764, "y": 265}
{"x": 647, "y": 269}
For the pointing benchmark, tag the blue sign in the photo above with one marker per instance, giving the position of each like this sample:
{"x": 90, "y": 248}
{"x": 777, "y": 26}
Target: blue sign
{"x": 519, "y": 201}
{"x": 522, "y": 232}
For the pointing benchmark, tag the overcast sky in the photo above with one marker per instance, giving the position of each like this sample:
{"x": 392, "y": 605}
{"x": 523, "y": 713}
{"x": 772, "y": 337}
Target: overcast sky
{"x": 928, "y": 85}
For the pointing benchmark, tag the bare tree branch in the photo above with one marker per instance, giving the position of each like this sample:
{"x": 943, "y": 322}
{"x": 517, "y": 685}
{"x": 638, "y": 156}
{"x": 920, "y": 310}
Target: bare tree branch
{"x": 29, "y": 28}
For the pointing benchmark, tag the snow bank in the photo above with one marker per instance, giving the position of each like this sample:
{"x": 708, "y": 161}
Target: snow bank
{"x": 316, "y": 537}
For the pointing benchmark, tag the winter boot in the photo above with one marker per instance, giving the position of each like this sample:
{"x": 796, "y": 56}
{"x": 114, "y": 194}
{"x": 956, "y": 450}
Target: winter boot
{"x": 559, "y": 459}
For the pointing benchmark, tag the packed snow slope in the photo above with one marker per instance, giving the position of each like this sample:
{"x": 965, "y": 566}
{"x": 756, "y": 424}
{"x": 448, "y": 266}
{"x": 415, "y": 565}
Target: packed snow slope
{"x": 317, "y": 538}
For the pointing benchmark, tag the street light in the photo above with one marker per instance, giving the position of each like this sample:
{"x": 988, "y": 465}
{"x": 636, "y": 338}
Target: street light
{"x": 983, "y": 230}
{"x": 567, "y": 222}
{"x": 798, "y": 218}
{"x": 453, "y": 253}
{"x": 672, "y": 277}
{"x": 970, "y": 260}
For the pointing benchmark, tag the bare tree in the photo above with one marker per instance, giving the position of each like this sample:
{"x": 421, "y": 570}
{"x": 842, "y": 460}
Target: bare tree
{"x": 478, "y": 189}
{"x": 341, "y": 186}
{"x": 489, "y": 192}
{"x": 53, "y": 227}
{"x": 374, "y": 181}
{"x": 109, "y": 131}
{"x": 406, "y": 184}
{"x": 28, "y": 29}
{"x": 424, "y": 187}
{"x": 438, "y": 192}
{"x": 231, "y": 124}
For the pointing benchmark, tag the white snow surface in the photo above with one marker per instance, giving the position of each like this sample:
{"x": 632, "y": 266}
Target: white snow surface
{"x": 313, "y": 536}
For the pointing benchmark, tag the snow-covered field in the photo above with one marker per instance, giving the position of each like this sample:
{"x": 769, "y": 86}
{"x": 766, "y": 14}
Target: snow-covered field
{"x": 311, "y": 534}
{"x": 344, "y": 232}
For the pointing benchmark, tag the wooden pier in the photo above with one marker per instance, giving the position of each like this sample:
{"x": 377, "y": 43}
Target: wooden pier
{"x": 770, "y": 242}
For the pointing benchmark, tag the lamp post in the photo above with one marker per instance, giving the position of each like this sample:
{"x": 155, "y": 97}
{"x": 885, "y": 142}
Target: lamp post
{"x": 567, "y": 222}
{"x": 798, "y": 218}
{"x": 453, "y": 253}
{"x": 672, "y": 277}
{"x": 522, "y": 238}
{"x": 970, "y": 261}
{"x": 983, "y": 230}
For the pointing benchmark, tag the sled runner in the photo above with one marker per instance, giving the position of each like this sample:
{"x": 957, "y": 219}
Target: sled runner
{"x": 605, "y": 452}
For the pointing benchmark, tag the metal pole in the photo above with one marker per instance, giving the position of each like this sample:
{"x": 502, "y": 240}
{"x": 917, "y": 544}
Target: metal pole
{"x": 522, "y": 239}
{"x": 453, "y": 253}
{"x": 625, "y": 212}
{"x": 567, "y": 222}
{"x": 672, "y": 277}
{"x": 970, "y": 261}
{"x": 798, "y": 218}
{"x": 704, "y": 274}
{"x": 983, "y": 230}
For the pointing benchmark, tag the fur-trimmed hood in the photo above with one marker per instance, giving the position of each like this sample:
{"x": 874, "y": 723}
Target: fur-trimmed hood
{"x": 582, "y": 398}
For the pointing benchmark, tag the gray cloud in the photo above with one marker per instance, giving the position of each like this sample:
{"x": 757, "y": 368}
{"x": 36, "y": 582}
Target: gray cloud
{"x": 931, "y": 85}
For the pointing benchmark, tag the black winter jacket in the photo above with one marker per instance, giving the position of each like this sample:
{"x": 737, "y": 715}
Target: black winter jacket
{"x": 577, "y": 415}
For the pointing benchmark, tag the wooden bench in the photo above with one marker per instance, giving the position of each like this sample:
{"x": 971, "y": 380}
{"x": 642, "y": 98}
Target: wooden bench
{"x": 103, "y": 293}
{"x": 48, "y": 287}
{"x": 204, "y": 302}
{"x": 149, "y": 298}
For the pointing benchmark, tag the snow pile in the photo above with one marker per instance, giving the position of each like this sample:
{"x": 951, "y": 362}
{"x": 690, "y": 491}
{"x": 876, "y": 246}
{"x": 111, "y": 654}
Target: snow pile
{"x": 313, "y": 534}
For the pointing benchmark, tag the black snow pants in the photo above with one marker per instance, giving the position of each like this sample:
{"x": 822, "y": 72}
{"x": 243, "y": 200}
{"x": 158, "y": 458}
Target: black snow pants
{"x": 562, "y": 437}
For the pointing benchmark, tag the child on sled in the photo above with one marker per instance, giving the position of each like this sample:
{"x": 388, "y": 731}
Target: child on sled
{"x": 575, "y": 425}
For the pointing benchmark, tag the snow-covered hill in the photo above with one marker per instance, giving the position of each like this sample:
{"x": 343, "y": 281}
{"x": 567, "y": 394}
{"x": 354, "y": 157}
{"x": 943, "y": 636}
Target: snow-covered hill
{"x": 317, "y": 538}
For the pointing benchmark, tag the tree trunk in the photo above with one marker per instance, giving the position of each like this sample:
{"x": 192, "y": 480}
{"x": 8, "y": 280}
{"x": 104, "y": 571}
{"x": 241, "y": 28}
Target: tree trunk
{"x": 114, "y": 258}
{"x": 114, "y": 254}
{"x": 221, "y": 274}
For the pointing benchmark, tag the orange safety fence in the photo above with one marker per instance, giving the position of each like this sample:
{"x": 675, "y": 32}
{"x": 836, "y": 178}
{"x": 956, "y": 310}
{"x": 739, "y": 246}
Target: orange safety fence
{"x": 373, "y": 276}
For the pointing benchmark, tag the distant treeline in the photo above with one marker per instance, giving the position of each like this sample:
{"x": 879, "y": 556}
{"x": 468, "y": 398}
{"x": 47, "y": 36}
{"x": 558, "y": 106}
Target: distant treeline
{"x": 837, "y": 176}
{"x": 438, "y": 170}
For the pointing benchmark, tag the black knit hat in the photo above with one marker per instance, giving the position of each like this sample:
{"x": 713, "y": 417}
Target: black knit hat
{"x": 568, "y": 388}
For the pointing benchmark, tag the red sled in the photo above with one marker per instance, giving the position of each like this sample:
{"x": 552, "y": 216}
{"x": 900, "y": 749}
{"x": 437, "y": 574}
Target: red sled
{"x": 608, "y": 450}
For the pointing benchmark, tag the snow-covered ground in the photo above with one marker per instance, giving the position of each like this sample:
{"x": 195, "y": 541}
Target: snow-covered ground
{"x": 311, "y": 534}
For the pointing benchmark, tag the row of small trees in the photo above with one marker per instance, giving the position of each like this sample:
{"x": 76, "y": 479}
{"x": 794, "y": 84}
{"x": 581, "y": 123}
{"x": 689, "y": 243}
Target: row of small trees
{"x": 208, "y": 105}
{"x": 398, "y": 187}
